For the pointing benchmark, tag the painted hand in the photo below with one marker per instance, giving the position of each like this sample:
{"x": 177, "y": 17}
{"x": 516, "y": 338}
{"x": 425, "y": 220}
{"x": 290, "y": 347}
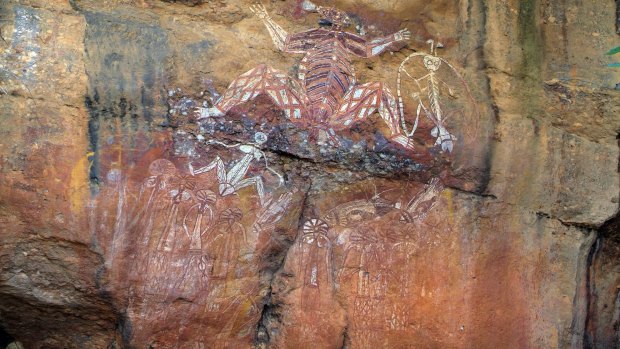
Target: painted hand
{"x": 260, "y": 11}
{"x": 203, "y": 113}
{"x": 402, "y": 35}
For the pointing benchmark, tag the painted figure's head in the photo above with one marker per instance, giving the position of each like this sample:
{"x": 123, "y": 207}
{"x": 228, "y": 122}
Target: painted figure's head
{"x": 315, "y": 233}
{"x": 232, "y": 215}
{"x": 330, "y": 16}
{"x": 432, "y": 63}
{"x": 260, "y": 138}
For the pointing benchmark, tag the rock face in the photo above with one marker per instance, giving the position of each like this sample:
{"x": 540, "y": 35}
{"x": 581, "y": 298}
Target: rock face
{"x": 128, "y": 221}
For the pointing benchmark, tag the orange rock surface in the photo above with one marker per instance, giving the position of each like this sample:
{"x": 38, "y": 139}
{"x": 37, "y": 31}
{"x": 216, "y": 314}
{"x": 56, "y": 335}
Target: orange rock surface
{"x": 125, "y": 222}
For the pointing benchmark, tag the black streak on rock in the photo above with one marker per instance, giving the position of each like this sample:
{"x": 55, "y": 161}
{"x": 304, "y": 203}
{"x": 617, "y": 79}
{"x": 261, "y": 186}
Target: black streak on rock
{"x": 125, "y": 66}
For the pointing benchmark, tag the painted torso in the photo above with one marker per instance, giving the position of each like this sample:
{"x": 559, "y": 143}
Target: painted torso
{"x": 326, "y": 72}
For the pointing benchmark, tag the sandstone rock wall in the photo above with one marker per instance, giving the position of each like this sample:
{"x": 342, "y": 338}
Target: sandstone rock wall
{"x": 108, "y": 238}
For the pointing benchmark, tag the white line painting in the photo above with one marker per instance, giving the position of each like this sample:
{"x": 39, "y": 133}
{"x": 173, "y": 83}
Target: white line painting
{"x": 203, "y": 210}
{"x": 234, "y": 179}
{"x": 181, "y": 185}
{"x": 315, "y": 262}
{"x": 325, "y": 95}
{"x": 191, "y": 237}
{"x": 427, "y": 93}
{"x": 272, "y": 212}
{"x": 351, "y": 251}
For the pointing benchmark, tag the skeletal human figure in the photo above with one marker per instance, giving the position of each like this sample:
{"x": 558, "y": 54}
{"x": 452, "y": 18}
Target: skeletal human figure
{"x": 325, "y": 94}
{"x": 433, "y": 111}
{"x": 234, "y": 179}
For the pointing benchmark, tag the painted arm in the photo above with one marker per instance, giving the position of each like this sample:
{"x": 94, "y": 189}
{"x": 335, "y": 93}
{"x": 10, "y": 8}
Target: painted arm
{"x": 290, "y": 43}
{"x": 217, "y": 162}
{"x": 363, "y": 48}
{"x": 269, "y": 168}
{"x": 278, "y": 35}
{"x": 213, "y": 141}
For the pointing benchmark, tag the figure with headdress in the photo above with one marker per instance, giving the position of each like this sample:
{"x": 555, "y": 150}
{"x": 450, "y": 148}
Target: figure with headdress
{"x": 315, "y": 261}
{"x": 228, "y": 244}
{"x": 325, "y": 95}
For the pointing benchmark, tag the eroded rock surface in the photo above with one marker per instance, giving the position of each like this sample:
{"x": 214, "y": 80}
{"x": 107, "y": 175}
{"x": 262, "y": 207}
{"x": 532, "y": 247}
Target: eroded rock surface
{"x": 127, "y": 222}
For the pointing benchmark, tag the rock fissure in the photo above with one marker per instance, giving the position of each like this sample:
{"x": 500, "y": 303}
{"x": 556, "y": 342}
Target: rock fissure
{"x": 589, "y": 294}
{"x": 269, "y": 313}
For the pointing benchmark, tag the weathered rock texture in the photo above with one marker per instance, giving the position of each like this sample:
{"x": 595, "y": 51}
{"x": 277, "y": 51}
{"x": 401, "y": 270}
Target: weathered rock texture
{"x": 109, "y": 239}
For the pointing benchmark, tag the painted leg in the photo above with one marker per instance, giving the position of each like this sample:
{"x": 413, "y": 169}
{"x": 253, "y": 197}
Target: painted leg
{"x": 215, "y": 163}
{"x": 258, "y": 181}
{"x": 260, "y": 80}
{"x": 444, "y": 138}
{"x": 362, "y": 101}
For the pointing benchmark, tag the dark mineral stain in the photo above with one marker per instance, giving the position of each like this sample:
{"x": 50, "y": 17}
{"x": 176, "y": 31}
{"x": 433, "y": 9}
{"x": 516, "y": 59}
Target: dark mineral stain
{"x": 618, "y": 17}
{"x": 125, "y": 64}
{"x": 200, "y": 47}
{"x": 93, "y": 139}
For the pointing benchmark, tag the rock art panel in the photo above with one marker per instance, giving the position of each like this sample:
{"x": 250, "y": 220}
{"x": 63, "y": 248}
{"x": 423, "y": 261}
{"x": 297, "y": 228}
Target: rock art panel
{"x": 326, "y": 113}
{"x": 125, "y": 64}
{"x": 325, "y": 94}
{"x": 343, "y": 252}
{"x": 340, "y": 201}
{"x": 190, "y": 242}
{"x": 354, "y": 263}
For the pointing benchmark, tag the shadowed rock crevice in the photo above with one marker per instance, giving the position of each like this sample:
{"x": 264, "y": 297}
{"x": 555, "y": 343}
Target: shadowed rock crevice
{"x": 602, "y": 328}
{"x": 618, "y": 17}
{"x": 41, "y": 292}
{"x": 5, "y": 338}
{"x": 581, "y": 303}
{"x": 603, "y": 321}
{"x": 187, "y": 2}
{"x": 270, "y": 319}
{"x": 346, "y": 342}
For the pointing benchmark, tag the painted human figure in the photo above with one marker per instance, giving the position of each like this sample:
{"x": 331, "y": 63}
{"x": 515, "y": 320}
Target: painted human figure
{"x": 192, "y": 277}
{"x": 161, "y": 172}
{"x": 228, "y": 244}
{"x": 183, "y": 186}
{"x": 204, "y": 218}
{"x": 271, "y": 213}
{"x": 234, "y": 179}
{"x": 421, "y": 204}
{"x": 325, "y": 93}
{"x": 432, "y": 89}
{"x": 315, "y": 262}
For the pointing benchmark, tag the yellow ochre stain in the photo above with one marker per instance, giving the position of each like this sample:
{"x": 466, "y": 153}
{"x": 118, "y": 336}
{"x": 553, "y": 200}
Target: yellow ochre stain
{"x": 447, "y": 194}
{"x": 78, "y": 183}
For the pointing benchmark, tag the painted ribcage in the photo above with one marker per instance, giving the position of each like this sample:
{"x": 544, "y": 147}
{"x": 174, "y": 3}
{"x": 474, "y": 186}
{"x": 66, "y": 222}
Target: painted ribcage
{"x": 327, "y": 75}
